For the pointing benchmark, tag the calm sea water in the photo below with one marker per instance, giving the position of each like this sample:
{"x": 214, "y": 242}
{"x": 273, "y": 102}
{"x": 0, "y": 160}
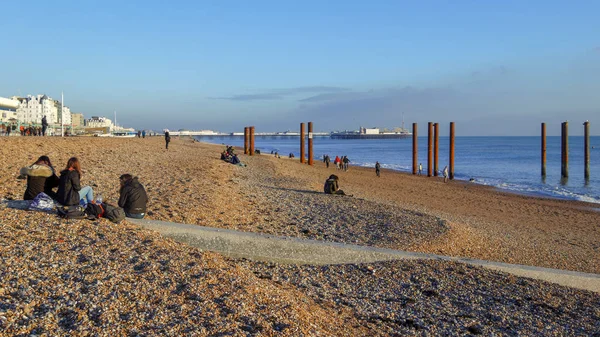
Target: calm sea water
{"x": 510, "y": 163}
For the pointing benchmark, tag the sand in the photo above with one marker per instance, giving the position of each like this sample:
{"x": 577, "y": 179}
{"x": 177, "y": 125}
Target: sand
{"x": 97, "y": 278}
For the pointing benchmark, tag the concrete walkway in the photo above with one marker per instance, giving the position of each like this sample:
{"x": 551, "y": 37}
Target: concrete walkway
{"x": 265, "y": 247}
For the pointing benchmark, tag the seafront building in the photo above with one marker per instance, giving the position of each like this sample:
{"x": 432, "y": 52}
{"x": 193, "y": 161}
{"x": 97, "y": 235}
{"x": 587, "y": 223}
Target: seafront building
{"x": 32, "y": 109}
{"x": 77, "y": 120}
{"x": 99, "y": 122}
{"x": 8, "y": 110}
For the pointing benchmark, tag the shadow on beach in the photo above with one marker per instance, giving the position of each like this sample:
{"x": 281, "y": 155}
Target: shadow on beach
{"x": 292, "y": 190}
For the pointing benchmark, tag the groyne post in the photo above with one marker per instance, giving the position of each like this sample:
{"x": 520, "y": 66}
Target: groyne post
{"x": 310, "y": 143}
{"x": 246, "y": 139}
{"x": 436, "y": 148}
{"x": 429, "y": 145}
{"x": 451, "y": 159}
{"x": 251, "y": 129}
{"x": 415, "y": 149}
{"x": 302, "y": 142}
{"x": 543, "y": 149}
{"x": 565, "y": 150}
{"x": 586, "y": 150}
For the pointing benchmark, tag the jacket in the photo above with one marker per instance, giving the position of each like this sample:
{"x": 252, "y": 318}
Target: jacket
{"x": 133, "y": 197}
{"x": 68, "y": 188}
{"x": 40, "y": 178}
{"x": 331, "y": 186}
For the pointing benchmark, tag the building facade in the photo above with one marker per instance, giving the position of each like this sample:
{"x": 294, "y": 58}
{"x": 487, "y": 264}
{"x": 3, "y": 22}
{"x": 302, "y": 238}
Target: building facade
{"x": 8, "y": 110}
{"x": 77, "y": 120}
{"x": 98, "y": 122}
{"x": 33, "y": 108}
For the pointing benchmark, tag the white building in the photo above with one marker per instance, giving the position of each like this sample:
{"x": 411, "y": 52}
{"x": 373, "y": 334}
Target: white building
{"x": 64, "y": 114}
{"x": 33, "y": 108}
{"x": 8, "y": 110}
{"x": 99, "y": 122}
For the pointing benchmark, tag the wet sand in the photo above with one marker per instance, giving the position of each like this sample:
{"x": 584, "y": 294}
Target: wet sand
{"x": 95, "y": 277}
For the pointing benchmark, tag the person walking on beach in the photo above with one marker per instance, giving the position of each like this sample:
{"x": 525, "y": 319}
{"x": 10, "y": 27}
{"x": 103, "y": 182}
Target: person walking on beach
{"x": 167, "y": 139}
{"x": 143, "y": 133}
{"x": 8, "y": 127}
{"x": 345, "y": 160}
{"x": 132, "y": 197}
{"x": 446, "y": 174}
{"x": 327, "y": 160}
{"x": 420, "y": 169}
{"x": 44, "y": 125}
{"x": 70, "y": 192}
{"x": 337, "y": 162}
{"x": 377, "y": 169}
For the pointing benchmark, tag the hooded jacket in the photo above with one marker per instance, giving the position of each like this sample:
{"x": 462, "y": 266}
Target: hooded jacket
{"x": 68, "y": 188}
{"x": 40, "y": 178}
{"x": 133, "y": 198}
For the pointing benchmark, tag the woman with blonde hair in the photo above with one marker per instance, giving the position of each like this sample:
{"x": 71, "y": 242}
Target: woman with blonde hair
{"x": 70, "y": 192}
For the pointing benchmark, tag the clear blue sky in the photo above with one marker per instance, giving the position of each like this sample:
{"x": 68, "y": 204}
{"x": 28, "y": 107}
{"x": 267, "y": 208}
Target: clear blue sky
{"x": 494, "y": 67}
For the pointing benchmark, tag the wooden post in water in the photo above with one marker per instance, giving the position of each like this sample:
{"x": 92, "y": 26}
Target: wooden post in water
{"x": 251, "y": 129}
{"x": 543, "y": 149}
{"x": 451, "y": 159}
{"x": 310, "y": 143}
{"x": 415, "y": 149}
{"x": 565, "y": 150}
{"x": 429, "y": 146}
{"x": 302, "y": 142}
{"x": 586, "y": 150}
{"x": 246, "y": 139}
{"x": 436, "y": 148}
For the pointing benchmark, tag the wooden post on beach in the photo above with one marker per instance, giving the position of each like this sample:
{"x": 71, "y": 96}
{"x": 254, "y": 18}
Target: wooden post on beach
{"x": 251, "y": 129}
{"x": 302, "y": 143}
{"x": 429, "y": 145}
{"x": 246, "y": 138}
{"x": 451, "y": 159}
{"x": 415, "y": 149}
{"x": 436, "y": 148}
{"x": 586, "y": 150}
{"x": 564, "y": 172}
{"x": 310, "y": 143}
{"x": 543, "y": 149}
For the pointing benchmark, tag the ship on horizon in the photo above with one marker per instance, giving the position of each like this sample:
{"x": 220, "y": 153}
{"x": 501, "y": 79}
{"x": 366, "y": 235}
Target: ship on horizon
{"x": 372, "y": 133}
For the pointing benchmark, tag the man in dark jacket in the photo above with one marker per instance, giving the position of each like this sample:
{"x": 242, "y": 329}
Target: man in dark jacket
{"x": 133, "y": 197}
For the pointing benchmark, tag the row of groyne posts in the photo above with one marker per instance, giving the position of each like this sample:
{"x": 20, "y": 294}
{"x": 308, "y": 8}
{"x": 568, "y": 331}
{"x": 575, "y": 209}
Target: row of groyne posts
{"x": 433, "y": 147}
{"x": 249, "y": 142}
{"x": 564, "y": 150}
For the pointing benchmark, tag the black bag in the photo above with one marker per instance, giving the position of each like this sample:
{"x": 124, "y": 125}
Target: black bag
{"x": 94, "y": 211}
{"x": 113, "y": 213}
{"x": 71, "y": 212}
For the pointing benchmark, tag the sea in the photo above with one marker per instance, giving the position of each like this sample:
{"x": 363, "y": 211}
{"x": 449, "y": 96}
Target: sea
{"x": 507, "y": 163}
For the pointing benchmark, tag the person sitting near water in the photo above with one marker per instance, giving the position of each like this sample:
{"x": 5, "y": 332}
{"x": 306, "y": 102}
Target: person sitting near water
{"x": 132, "y": 197}
{"x": 70, "y": 192}
{"x": 40, "y": 178}
{"x": 332, "y": 185}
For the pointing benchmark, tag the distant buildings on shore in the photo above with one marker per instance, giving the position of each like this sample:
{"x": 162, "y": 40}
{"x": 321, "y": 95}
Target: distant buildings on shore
{"x": 31, "y": 109}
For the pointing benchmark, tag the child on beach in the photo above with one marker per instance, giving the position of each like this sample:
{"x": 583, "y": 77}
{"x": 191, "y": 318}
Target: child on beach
{"x": 70, "y": 192}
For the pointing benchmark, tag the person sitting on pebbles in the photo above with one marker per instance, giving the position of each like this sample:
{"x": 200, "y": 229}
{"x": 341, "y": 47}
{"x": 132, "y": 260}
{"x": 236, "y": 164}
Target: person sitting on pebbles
{"x": 40, "y": 178}
{"x": 332, "y": 185}
{"x": 133, "y": 197}
{"x": 70, "y": 192}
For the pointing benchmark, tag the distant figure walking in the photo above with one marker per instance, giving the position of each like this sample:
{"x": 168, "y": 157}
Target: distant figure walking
{"x": 44, "y": 125}
{"x": 446, "y": 174}
{"x": 167, "y": 139}
{"x": 377, "y": 169}
{"x": 345, "y": 160}
{"x": 337, "y": 162}
{"x": 327, "y": 160}
{"x": 144, "y": 134}
{"x": 420, "y": 169}
{"x": 332, "y": 186}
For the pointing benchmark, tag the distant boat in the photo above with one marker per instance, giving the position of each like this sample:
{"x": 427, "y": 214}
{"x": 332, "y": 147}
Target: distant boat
{"x": 124, "y": 134}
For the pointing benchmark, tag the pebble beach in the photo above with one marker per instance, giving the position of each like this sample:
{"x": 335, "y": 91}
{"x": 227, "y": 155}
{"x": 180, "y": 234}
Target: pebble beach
{"x": 96, "y": 278}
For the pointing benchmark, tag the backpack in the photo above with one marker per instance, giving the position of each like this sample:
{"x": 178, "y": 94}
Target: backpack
{"x": 94, "y": 211}
{"x": 71, "y": 212}
{"x": 113, "y": 213}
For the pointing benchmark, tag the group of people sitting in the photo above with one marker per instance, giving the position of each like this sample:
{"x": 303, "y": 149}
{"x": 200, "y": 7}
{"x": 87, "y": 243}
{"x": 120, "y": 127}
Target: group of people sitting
{"x": 42, "y": 178}
{"x": 229, "y": 155}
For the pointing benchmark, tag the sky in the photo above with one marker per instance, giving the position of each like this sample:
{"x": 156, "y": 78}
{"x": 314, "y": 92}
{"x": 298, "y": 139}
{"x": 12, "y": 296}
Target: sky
{"x": 493, "y": 67}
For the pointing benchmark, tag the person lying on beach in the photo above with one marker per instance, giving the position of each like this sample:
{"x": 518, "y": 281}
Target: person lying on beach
{"x": 132, "y": 196}
{"x": 40, "y": 178}
{"x": 70, "y": 192}
{"x": 332, "y": 186}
